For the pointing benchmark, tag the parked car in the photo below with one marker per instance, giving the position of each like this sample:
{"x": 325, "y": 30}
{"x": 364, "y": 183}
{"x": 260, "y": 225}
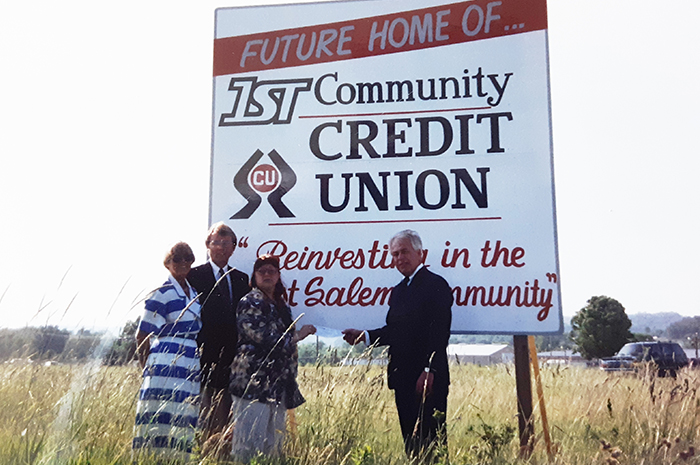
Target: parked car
{"x": 667, "y": 357}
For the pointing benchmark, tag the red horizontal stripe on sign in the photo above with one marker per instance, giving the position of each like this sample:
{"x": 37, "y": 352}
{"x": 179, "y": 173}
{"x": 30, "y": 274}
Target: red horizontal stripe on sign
{"x": 403, "y": 31}
{"x": 387, "y": 113}
{"x": 435, "y": 220}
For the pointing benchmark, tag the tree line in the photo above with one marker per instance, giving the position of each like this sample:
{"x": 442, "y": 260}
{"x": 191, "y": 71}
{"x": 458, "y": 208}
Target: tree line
{"x": 598, "y": 330}
{"x": 51, "y": 343}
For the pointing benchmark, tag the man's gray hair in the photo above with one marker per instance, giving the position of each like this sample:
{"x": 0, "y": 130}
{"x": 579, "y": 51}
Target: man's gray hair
{"x": 409, "y": 234}
{"x": 223, "y": 230}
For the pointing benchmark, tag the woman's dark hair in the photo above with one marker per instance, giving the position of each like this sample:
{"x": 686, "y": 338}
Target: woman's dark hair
{"x": 280, "y": 293}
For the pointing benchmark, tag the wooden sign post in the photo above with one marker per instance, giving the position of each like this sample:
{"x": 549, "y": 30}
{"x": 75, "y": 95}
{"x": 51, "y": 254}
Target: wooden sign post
{"x": 524, "y": 393}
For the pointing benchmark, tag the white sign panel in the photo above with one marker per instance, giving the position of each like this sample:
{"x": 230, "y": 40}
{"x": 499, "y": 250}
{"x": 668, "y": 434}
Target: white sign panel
{"x": 336, "y": 125}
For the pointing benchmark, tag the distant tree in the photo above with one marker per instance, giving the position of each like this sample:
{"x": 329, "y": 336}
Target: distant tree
{"x": 80, "y": 345}
{"x": 600, "y": 328}
{"x": 684, "y": 328}
{"x": 310, "y": 352}
{"x": 16, "y": 343}
{"x": 49, "y": 342}
{"x": 124, "y": 347}
{"x": 550, "y": 343}
{"x": 642, "y": 337}
{"x": 480, "y": 339}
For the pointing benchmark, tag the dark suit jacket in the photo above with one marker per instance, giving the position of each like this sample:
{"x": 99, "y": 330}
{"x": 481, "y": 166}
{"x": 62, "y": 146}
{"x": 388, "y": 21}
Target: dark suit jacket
{"x": 219, "y": 334}
{"x": 417, "y": 327}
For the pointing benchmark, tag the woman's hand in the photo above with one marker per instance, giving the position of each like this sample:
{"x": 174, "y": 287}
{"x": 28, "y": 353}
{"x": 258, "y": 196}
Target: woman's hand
{"x": 305, "y": 331}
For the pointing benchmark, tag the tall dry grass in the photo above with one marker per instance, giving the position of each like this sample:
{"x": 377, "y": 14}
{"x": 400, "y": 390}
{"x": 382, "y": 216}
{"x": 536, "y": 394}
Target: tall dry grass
{"x": 70, "y": 414}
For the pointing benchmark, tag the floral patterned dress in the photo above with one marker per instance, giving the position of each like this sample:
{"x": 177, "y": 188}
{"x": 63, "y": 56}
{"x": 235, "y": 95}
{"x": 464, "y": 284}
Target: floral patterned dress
{"x": 265, "y": 366}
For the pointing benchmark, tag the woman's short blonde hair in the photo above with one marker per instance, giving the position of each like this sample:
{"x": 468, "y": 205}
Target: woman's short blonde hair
{"x": 181, "y": 249}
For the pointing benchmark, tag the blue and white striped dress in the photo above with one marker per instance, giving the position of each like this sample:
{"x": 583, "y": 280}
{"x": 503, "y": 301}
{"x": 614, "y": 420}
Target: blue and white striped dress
{"x": 168, "y": 406}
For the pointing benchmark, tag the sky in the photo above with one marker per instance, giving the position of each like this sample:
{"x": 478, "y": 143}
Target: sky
{"x": 105, "y": 143}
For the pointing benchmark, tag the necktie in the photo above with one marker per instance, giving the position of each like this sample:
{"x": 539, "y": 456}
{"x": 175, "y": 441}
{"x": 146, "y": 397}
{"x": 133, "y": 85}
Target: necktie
{"x": 225, "y": 289}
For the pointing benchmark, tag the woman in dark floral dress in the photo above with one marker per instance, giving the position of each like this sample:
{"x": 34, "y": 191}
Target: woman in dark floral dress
{"x": 264, "y": 371}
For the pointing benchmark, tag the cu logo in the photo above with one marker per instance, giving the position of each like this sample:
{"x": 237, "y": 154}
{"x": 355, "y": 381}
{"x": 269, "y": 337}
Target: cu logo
{"x": 264, "y": 178}
{"x": 274, "y": 180}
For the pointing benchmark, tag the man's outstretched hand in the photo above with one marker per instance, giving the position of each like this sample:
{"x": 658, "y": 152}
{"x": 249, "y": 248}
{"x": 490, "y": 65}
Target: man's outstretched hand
{"x": 353, "y": 336}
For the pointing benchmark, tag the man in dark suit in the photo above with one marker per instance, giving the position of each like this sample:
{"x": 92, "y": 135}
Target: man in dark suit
{"x": 417, "y": 332}
{"x": 220, "y": 288}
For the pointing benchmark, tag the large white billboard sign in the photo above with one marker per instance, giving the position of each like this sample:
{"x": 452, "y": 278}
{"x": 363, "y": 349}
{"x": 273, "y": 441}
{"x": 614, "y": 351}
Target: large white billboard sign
{"x": 336, "y": 125}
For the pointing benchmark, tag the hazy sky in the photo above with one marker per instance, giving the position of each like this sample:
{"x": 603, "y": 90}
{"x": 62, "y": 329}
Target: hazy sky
{"x": 105, "y": 132}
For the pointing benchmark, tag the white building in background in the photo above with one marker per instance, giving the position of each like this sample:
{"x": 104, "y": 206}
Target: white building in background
{"x": 563, "y": 357}
{"x": 479, "y": 354}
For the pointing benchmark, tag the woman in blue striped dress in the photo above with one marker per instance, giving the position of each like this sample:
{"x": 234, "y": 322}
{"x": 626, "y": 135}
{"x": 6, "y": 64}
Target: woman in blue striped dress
{"x": 167, "y": 410}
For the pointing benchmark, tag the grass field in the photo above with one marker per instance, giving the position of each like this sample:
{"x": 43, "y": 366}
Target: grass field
{"x": 83, "y": 414}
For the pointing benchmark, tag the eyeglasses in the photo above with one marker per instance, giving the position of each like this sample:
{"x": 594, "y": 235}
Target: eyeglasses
{"x": 178, "y": 260}
{"x": 267, "y": 271}
{"x": 221, "y": 243}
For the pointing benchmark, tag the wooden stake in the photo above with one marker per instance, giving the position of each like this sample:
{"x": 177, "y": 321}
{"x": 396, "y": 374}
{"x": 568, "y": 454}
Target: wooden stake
{"x": 292, "y": 423}
{"x": 540, "y": 396}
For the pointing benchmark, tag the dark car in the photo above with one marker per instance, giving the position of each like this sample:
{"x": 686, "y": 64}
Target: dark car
{"x": 667, "y": 357}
